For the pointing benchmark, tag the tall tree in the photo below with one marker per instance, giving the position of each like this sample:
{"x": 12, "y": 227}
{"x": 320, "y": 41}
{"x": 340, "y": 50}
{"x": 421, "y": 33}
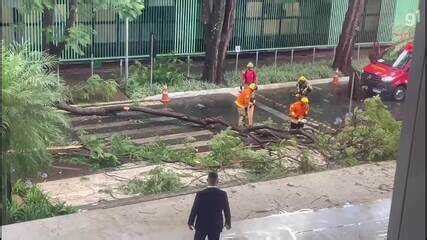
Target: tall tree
{"x": 76, "y": 36}
{"x": 350, "y": 28}
{"x": 226, "y": 34}
{"x": 344, "y": 52}
{"x": 218, "y": 23}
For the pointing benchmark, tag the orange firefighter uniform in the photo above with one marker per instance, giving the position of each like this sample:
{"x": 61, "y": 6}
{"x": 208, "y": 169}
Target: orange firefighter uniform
{"x": 245, "y": 105}
{"x": 298, "y": 112}
{"x": 165, "y": 96}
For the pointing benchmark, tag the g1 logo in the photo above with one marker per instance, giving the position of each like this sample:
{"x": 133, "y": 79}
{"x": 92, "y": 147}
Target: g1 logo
{"x": 412, "y": 18}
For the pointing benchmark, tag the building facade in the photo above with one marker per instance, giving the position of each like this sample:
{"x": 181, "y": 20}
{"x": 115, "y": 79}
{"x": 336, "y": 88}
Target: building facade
{"x": 260, "y": 24}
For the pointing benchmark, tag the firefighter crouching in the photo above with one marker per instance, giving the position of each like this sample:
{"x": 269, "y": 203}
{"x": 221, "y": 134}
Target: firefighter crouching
{"x": 245, "y": 104}
{"x": 298, "y": 112}
{"x": 303, "y": 87}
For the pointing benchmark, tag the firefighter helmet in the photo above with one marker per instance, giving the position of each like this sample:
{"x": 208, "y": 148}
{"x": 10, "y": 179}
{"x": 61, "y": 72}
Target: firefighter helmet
{"x": 253, "y": 86}
{"x": 305, "y": 100}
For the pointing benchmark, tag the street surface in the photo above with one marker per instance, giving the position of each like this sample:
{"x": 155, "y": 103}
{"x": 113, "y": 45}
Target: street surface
{"x": 166, "y": 218}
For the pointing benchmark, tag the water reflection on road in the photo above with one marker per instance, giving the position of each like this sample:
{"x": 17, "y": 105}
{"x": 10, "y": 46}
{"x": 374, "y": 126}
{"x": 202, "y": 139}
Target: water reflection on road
{"x": 366, "y": 221}
{"x": 326, "y": 102}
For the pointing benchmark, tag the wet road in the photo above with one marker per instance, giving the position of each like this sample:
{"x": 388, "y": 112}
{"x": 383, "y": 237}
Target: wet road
{"x": 350, "y": 222}
{"x": 326, "y": 103}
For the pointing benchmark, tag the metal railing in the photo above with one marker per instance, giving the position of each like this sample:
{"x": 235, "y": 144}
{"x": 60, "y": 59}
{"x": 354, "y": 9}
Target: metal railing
{"x": 187, "y": 56}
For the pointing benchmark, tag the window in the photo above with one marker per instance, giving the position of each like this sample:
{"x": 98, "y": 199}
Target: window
{"x": 292, "y": 9}
{"x": 271, "y": 27}
{"x": 254, "y": 10}
{"x": 289, "y": 26}
{"x": 402, "y": 60}
{"x": 370, "y": 22}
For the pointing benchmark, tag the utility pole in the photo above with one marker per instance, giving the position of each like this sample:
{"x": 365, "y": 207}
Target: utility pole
{"x": 351, "y": 93}
{"x": 151, "y": 59}
{"x": 126, "y": 51}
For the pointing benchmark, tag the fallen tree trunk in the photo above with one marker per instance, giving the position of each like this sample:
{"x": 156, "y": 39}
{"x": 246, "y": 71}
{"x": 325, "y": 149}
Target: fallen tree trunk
{"x": 252, "y": 133}
{"x": 108, "y": 110}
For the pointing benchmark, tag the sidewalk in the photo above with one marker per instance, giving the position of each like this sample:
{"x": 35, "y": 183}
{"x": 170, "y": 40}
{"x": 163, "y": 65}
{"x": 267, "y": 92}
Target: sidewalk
{"x": 166, "y": 218}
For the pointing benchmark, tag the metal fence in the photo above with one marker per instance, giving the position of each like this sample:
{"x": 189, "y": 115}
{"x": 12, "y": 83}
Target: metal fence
{"x": 261, "y": 25}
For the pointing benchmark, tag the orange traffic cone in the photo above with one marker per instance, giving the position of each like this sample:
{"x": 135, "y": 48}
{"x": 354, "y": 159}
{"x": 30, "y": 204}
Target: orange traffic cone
{"x": 165, "y": 96}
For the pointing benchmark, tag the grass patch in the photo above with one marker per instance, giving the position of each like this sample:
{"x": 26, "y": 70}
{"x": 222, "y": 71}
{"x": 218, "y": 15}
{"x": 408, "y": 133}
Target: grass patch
{"x": 157, "y": 181}
{"x": 287, "y": 73}
{"x": 30, "y": 203}
{"x": 167, "y": 73}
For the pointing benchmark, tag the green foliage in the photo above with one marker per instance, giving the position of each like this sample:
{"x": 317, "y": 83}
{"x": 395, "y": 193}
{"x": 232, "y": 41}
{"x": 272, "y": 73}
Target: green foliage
{"x": 306, "y": 165}
{"x": 157, "y": 181}
{"x": 159, "y": 152}
{"x": 166, "y": 71}
{"x": 31, "y": 203}
{"x": 94, "y": 89}
{"x": 371, "y": 134}
{"x": 29, "y": 93}
{"x": 226, "y": 148}
{"x": 122, "y": 146}
{"x": 402, "y": 36}
{"x": 99, "y": 157}
{"x": 105, "y": 154}
{"x": 80, "y": 36}
{"x": 287, "y": 73}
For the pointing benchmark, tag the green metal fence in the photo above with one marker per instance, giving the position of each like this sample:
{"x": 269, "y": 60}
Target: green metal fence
{"x": 260, "y": 24}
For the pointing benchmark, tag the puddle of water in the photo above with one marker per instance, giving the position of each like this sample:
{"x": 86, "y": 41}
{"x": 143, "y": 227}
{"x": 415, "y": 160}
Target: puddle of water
{"x": 218, "y": 105}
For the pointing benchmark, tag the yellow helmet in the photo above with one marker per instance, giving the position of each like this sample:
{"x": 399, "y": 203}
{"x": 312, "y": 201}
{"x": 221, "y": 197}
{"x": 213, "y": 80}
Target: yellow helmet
{"x": 302, "y": 79}
{"x": 305, "y": 100}
{"x": 250, "y": 65}
{"x": 253, "y": 86}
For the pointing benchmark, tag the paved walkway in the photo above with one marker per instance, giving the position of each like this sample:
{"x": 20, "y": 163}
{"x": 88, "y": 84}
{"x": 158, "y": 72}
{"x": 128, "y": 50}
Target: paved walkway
{"x": 166, "y": 218}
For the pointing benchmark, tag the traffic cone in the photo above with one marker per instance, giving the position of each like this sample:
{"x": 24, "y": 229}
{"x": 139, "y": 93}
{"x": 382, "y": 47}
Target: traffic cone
{"x": 165, "y": 96}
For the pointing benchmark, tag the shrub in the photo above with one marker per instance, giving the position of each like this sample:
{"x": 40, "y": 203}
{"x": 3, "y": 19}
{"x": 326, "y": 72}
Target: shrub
{"x": 99, "y": 156}
{"x": 159, "y": 152}
{"x": 139, "y": 82}
{"x": 287, "y": 73}
{"x": 122, "y": 146}
{"x": 29, "y": 94}
{"x": 157, "y": 181}
{"x": 402, "y": 36}
{"x": 34, "y": 204}
{"x": 305, "y": 164}
{"x": 94, "y": 89}
{"x": 165, "y": 72}
{"x": 371, "y": 134}
{"x": 226, "y": 148}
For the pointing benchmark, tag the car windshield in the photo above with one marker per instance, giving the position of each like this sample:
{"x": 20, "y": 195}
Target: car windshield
{"x": 402, "y": 60}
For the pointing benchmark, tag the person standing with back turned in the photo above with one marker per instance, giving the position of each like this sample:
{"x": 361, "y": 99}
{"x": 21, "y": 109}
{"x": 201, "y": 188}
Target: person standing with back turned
{"x": 207, "y": 211}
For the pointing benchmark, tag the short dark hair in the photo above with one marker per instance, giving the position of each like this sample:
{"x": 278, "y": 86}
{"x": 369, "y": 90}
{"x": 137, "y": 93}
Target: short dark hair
{"x": 213, "y": 176}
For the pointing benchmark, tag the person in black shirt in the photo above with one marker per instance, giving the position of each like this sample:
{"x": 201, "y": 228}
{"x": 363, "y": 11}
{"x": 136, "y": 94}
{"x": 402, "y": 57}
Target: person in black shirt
{"x": 207, "y": 212}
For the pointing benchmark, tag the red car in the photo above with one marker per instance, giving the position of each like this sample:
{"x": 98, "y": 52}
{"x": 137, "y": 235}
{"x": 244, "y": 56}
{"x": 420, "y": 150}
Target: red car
{"x": 389, "y": 79}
